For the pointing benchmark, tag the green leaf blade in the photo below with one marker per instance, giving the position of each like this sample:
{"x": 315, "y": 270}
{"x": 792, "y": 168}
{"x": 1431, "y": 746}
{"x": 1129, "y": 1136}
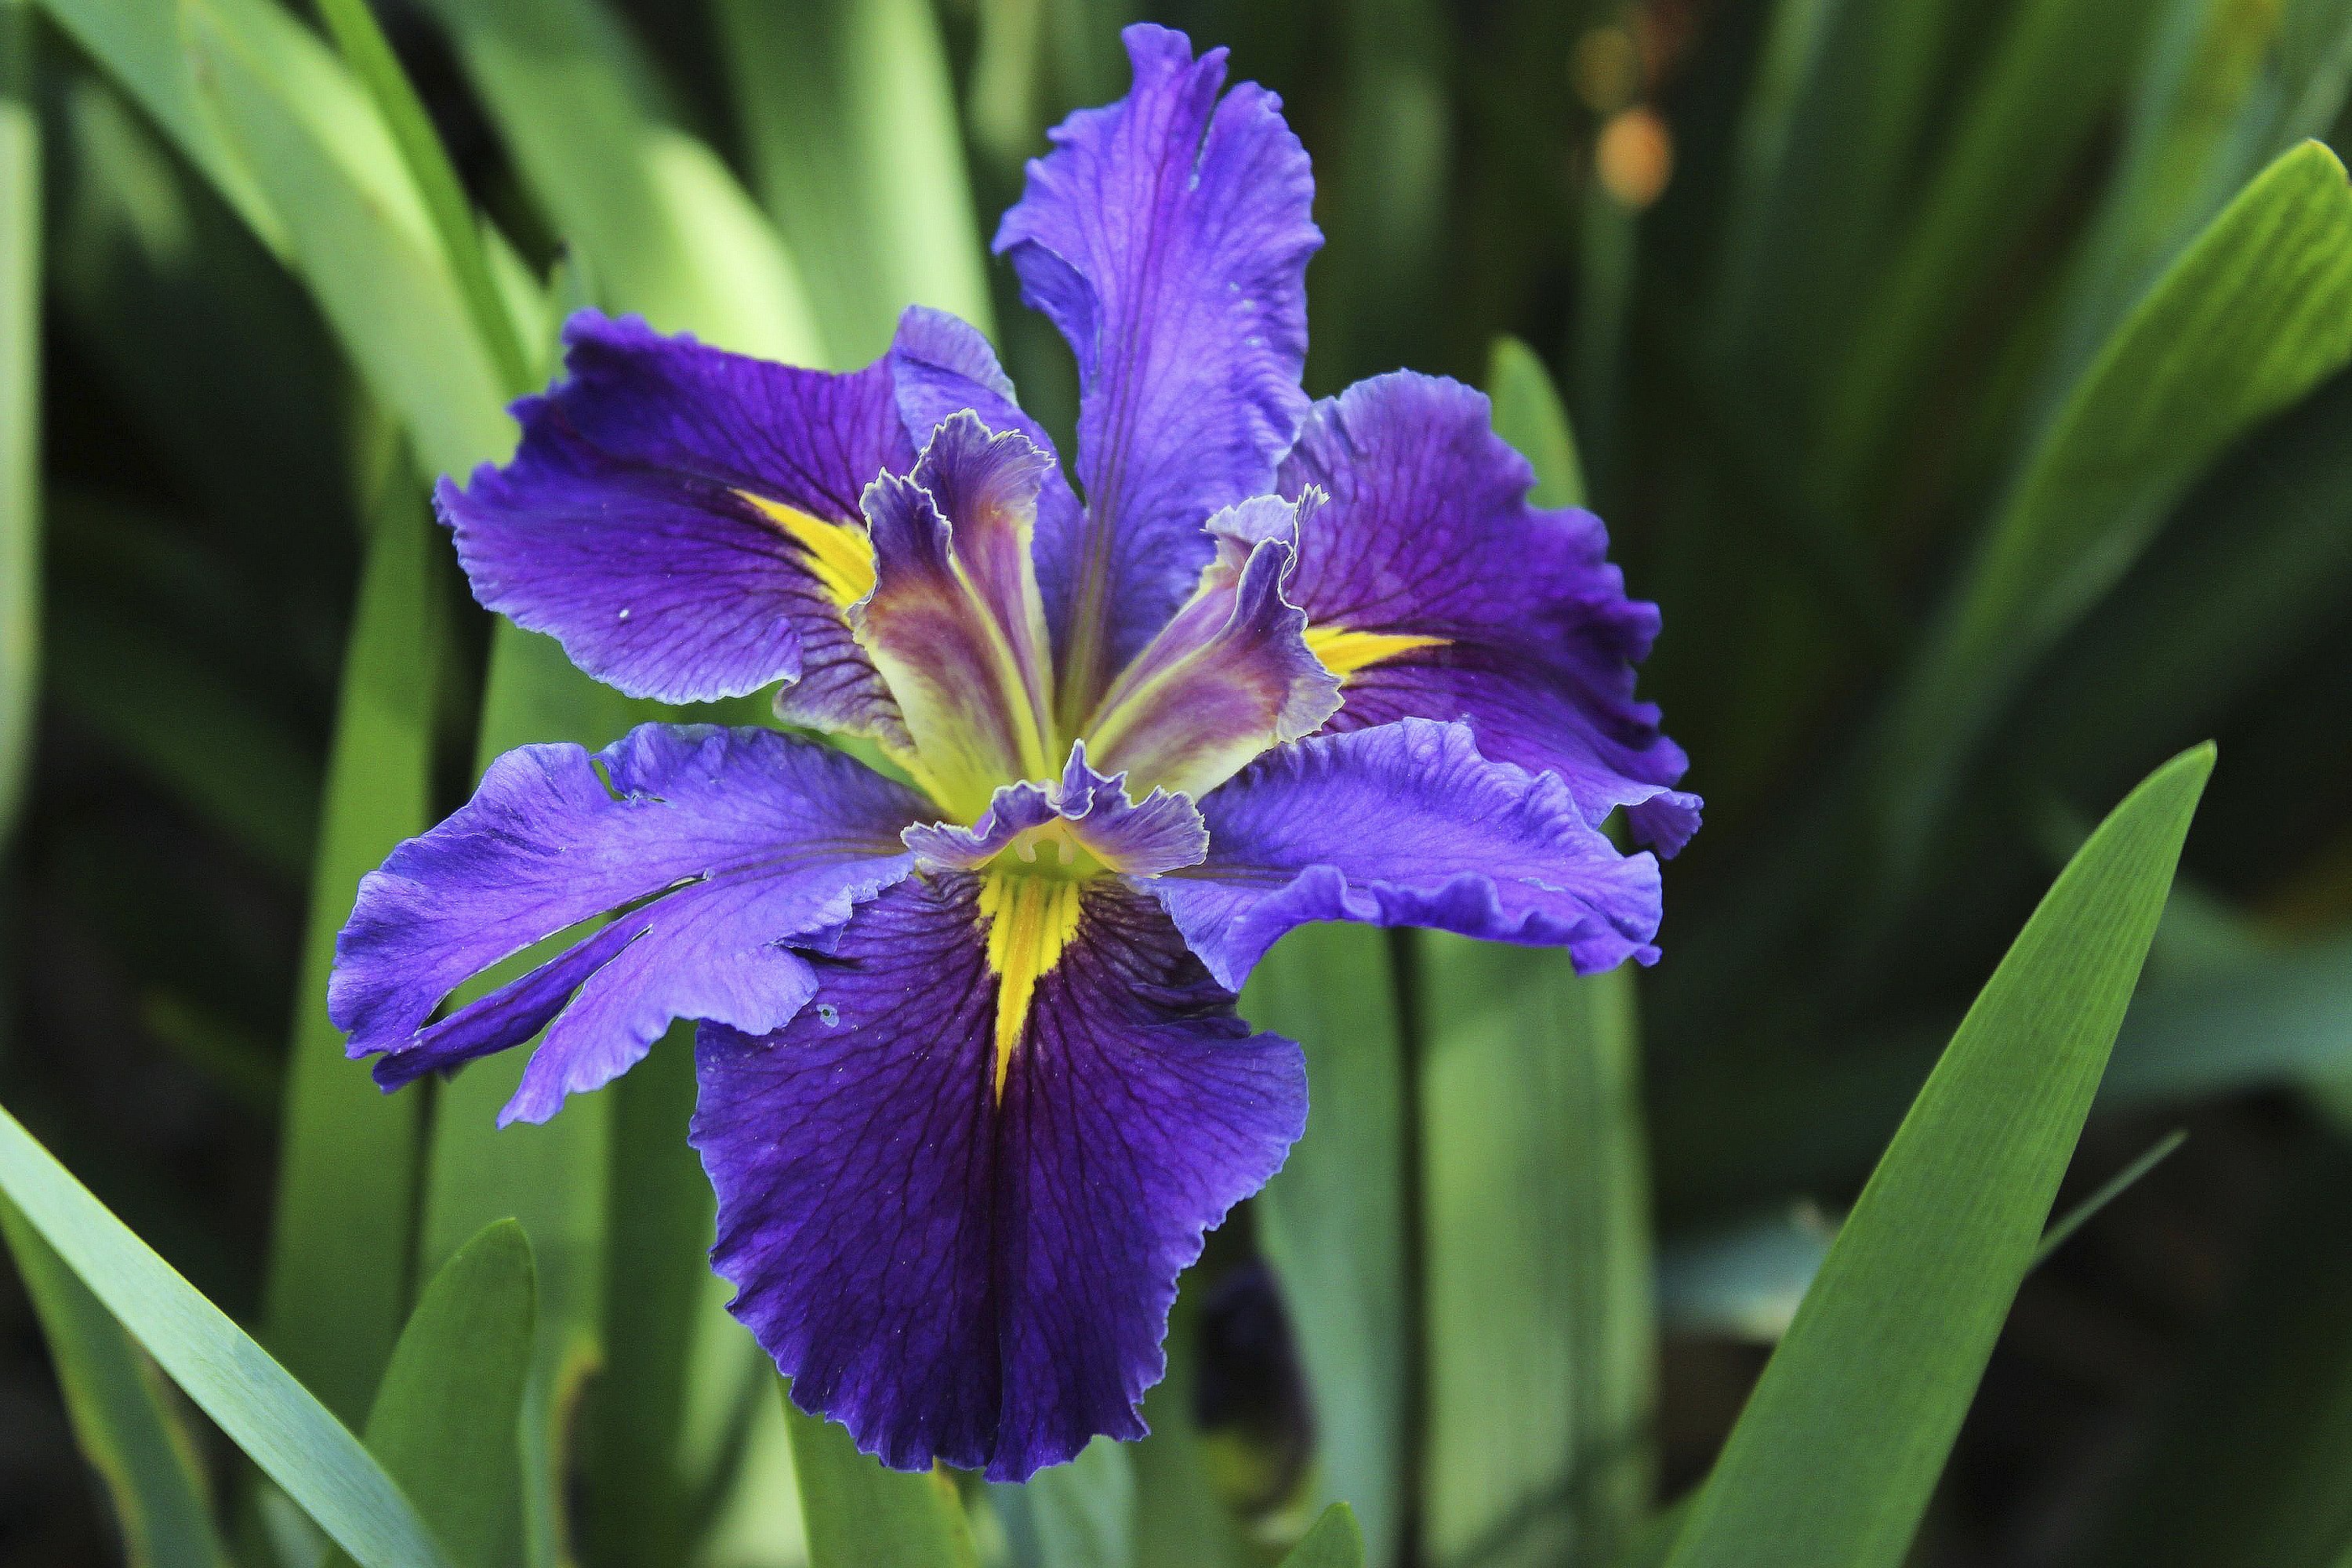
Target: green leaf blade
{"x": 1834, "y": 1458}
{"x": 1333, "y": 1542}
{"x": 285, "y": 1431}
{"x": 444, "y": 1421}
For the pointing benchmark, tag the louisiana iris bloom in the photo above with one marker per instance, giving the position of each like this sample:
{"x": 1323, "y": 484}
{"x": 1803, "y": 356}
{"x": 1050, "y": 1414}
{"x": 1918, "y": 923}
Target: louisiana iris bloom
{"x": 972, "y": 1086}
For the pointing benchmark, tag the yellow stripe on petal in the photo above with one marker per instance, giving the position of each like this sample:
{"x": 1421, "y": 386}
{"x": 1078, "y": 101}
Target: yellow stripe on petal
{"x": 840, "y": 555}
{"x": 1344, "y": 651}
{"x": 1031, "y": 920}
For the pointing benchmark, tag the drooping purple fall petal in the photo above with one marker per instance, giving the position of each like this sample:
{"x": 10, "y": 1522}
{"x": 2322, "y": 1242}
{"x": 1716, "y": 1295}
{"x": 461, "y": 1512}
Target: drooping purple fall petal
{"x": 717, "y": 847}
{"x": 960, "y": 1278}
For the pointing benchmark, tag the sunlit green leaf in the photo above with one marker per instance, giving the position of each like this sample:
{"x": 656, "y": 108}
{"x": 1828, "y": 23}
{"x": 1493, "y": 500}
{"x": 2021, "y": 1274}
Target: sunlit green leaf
{"x": 20, "y": 397}
{"x": 1841, "y": 1443}
{"x": 1079, "y": 1515}
{"x": 848, "y": 117}
{"x": 1528, "y": 414}
{"x": 264, "y": 1411}
{"x": 122, "y": 1416}
{"x": 666, "y": 229}
{"x": 444, "y": 1423}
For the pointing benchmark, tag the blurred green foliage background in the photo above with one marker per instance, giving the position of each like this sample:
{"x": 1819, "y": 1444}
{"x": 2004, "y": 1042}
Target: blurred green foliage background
{"x": 1967, "y": 382}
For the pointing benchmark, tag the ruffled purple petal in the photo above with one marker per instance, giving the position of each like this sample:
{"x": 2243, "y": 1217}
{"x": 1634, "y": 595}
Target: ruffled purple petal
{"x": 1140, "y": 838}
{"x": 1407, "y": 825}
{"x": 1166, "y": 236}
{"x": 721, "y": 847}
{"x": 1428, "y": 534}
{"x": 623, "y": 526}
{"x": 958, "y": 1278}
{"x": 1231, "y": 674}
{"x": 952, "y": 620}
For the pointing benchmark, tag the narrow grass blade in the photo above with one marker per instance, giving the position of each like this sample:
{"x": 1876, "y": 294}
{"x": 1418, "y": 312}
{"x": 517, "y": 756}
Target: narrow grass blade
{"x": 444, "y": 1423}
{"x": 860, "y": 1515}
{"x": 294, "y": 1439}
{"x": 1333, "y": 1542}
{"x": 371, "y": 61}
{"x": 1834, "y": 1456}
{"x": 343, "y": 1237}
{"x": 1332, "y": 1221}
{"x": 20, "y": 407}
{"x": 848, "y": 115}
{"x": 122, "y": 1416}
{"x": 2249, "y": 319}
{"x": 2114, "y": 1187}
{"x": 665, "y": 228}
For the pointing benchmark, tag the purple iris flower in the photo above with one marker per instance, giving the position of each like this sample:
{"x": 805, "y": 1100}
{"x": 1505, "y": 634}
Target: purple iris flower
{"x": 972, "y": 1085}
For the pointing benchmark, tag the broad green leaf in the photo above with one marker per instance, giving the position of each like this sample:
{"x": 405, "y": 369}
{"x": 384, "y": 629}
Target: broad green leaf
{"x": 2228, "y": 85}
{"x": 849, "y": 121}
{"x": 371, "y": 60}
{"x": 122, "y": 1416}
{"x": 2251, "y": 1465}
{"x": 1840, "y": 1445}
{"x": 638, "y": 1503}
{"x": 1539, "y": 1312}
{"x": 1333, "y": 1220}
{"x": 2253, "y": 315}
{"x": 444, "y": 1423}
{"x": 1333, "y": 1542}
{"x": 666, "y": 229}
{"x": 1079, "y": 1515}
{"x": 294, "y": 1439}
{"x": 1528, "y": 414}
{"x": 357, "y": 233}
{"x": 342, "y": 1232}
{"x": 2053, "y": 75}
{"x": 20, "y": 397}
{"x": 860, "y": 1515}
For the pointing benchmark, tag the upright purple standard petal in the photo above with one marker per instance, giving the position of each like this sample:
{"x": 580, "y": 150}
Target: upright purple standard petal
{"x": 682, "y": 519}
{"x": 1407, "y": 825}
{"x": 1467, "y": 604}
{"x": 1166, "y": 236}
{"x": 743, "y": 841}
{"x": 960, "y": 1277}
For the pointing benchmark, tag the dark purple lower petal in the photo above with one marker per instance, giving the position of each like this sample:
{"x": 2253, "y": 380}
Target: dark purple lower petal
{"x": 723, "y": 846}
{"x": 1407, "y": 825}
{"x": 1428, "y": 535}
{"x": 958, "y": 1278}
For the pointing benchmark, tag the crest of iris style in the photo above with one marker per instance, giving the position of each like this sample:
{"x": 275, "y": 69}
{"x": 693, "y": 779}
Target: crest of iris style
{"x": 972, "y": 1086}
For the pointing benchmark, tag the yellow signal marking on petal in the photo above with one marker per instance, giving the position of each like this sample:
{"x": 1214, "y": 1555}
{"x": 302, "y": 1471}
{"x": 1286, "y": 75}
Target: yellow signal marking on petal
{"x": 1031, "y": 919}
{"x": 840, "y": 555}
{"x": 1344, "y": 651}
